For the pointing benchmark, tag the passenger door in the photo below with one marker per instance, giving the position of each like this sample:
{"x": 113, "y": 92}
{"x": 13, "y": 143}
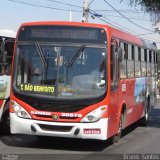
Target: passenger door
{"x": 114, "y": 74}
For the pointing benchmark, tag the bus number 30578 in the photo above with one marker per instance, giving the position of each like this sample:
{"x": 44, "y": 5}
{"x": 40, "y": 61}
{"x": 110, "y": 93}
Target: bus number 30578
{"x": 75, "y": 115}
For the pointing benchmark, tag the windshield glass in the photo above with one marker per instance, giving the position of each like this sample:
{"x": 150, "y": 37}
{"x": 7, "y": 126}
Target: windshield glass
{"x": 61, "y": 71}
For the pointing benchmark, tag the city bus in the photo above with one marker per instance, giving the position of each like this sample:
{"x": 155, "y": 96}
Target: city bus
{"x": 80, "y": 80}
{"x": 7, "y": 38}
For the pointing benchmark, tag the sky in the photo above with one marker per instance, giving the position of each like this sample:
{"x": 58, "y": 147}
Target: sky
{"x": 13, "y": 13}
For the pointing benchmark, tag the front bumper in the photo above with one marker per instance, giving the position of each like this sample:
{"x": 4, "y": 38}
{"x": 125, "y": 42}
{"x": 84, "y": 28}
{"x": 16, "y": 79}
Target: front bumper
{"x": 96, "y": 130}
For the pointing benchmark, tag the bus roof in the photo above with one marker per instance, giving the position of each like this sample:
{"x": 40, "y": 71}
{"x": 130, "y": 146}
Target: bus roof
{"x": 7, "y": 33}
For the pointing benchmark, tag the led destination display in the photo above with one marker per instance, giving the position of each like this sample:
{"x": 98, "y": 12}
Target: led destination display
{"x": 63, "y": 34}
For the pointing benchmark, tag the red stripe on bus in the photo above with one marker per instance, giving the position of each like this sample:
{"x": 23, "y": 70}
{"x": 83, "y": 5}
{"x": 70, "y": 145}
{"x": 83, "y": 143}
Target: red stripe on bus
{"x": 1, "y": 102}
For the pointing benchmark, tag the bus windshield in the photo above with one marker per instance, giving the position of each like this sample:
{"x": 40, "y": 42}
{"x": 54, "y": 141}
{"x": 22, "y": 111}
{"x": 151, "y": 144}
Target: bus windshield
{"x": 61, "y": 71}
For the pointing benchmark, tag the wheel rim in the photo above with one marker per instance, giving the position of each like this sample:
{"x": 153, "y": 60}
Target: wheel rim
{"x": 120, "y": 126}
{"x": 146, "y": 114}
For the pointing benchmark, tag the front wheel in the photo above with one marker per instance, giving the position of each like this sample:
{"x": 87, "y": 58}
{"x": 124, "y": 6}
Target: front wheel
{"x": 5, "y": 123}
{"x": 117, "y": 136}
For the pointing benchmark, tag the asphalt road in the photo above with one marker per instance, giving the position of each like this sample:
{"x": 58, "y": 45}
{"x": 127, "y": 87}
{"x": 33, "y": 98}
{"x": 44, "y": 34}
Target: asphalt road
{"x": 137, "y": 143}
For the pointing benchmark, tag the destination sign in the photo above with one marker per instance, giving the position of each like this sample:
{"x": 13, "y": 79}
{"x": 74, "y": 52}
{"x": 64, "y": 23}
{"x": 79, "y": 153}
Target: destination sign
{"x": 37, "y": 88}
{"x": 63, "y": 34}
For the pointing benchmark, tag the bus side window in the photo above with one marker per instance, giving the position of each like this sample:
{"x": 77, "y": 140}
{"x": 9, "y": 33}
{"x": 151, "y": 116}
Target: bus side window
{"x": 137, "y": 62}
{"x": 1, "y": 67}
{"x": 130, "y": 61}
{"x": 149, "y": 63}
{"x": 114, "y": 68}
{"x": 153, "y": 63}
{"x": 1, "y": 57}
{"x": 143, "y": 62}
{"x": 9, "y": 45}
{"x": 123, "y": 68}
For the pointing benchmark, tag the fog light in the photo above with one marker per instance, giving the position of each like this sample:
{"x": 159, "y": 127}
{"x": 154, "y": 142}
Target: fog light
{"x": 33, "y": 128}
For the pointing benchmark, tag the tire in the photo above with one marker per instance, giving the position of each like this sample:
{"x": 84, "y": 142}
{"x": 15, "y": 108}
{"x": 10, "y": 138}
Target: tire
{"x": 144, "y": 120}
{"x": 5, "y": 123}
{"x": 117, "y": 136}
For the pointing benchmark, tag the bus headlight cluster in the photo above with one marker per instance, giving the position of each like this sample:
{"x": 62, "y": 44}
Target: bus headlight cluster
{"x": 95, "y": 115}
{"x": 19, "y": 111}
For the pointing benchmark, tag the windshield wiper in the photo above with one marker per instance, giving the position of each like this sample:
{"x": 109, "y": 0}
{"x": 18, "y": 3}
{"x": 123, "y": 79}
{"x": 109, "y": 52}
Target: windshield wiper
{"x": 76, "y": 56}
{"x": 41, "y": 54}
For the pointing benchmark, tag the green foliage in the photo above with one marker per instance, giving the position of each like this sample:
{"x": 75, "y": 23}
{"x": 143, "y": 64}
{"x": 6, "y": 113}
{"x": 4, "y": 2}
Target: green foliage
{"x": 150, "y": 6}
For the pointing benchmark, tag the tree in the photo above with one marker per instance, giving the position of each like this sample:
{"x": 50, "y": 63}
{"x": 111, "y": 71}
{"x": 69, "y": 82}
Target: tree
{"x": 150, "y": 6}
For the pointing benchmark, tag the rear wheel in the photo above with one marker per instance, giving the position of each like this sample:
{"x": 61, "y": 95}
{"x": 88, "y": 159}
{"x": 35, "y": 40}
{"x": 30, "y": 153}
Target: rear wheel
{"x": 144, "y": 120}
{"x": 116, "y": 137}
{"x": 5, "y": 123}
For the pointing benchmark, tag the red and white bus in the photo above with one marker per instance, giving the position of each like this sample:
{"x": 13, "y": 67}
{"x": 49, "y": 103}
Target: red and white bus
{"x": 7, "y": 38}
{"x": 80, "y": 80}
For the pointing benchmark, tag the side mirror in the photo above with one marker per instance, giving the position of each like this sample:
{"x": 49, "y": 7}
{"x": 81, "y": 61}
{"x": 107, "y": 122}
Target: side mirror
{"x": 120, "y": 53}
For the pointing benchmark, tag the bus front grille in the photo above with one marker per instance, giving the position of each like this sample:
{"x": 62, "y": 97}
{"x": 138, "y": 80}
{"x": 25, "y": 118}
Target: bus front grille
{"x": 55, "y": 128}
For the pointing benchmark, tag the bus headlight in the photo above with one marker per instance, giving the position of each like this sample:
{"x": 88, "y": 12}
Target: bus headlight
{"x": 95, "y": 115}
{"x": 19, "y": 111}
